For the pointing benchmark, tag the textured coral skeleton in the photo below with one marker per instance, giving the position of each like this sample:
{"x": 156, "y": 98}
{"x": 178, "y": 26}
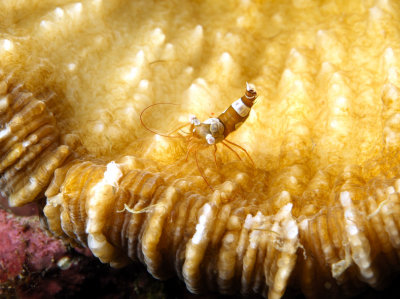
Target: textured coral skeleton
{"x": 320, "y": 213}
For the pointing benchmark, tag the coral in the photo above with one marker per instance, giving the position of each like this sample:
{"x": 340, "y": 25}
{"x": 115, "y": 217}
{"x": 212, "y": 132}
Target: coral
{"x": 318, "y": 213}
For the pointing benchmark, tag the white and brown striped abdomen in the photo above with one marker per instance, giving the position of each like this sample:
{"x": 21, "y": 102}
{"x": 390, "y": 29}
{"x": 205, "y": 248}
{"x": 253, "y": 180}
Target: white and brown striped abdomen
{"x": 233, "y": 117}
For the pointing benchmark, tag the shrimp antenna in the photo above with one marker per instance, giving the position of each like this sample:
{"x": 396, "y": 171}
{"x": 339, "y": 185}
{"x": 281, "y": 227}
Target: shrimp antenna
{"x": 151, "y": 130}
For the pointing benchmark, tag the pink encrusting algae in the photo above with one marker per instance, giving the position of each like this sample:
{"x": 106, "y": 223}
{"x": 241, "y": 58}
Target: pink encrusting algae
{"x": 25, "y": 246}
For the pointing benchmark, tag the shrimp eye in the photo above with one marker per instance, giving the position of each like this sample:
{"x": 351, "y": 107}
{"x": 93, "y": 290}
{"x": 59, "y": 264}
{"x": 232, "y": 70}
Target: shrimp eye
{"x": 194, "y": 120}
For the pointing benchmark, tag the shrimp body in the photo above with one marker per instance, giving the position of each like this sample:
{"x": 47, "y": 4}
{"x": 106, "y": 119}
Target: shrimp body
{"x": 215, "y": 130}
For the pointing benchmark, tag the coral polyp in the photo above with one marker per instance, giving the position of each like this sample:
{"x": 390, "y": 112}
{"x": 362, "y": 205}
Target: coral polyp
{"x": 320, "y": 210}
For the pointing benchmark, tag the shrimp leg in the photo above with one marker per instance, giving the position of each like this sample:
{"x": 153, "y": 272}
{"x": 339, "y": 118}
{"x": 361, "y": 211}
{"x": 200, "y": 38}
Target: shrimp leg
{"x": 237, "y": 155}
{"x": 252, "y": 162}
{"x": 215, "y": 155}
{"x": 201, "y": 173}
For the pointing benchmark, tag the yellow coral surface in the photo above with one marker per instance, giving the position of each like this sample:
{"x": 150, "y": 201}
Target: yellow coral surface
{"x": 318, "y": 212}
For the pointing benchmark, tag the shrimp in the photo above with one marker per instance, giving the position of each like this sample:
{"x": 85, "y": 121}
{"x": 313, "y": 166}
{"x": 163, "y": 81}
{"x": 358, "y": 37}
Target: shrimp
{"x": 215, "y": 130}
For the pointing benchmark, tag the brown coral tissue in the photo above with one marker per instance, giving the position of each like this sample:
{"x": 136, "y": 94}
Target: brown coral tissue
{"x": 319, "y": 210}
